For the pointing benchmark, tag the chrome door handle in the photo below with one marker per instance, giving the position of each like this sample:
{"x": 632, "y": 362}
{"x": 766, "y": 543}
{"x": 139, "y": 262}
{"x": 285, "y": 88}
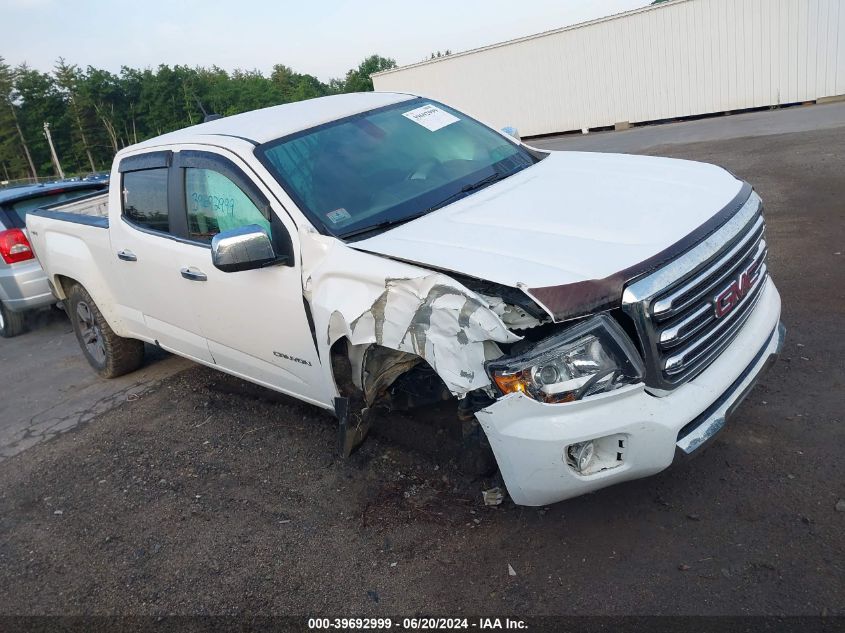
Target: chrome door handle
{"x": 127, "y": 256}
{"x": 193, "y": 275}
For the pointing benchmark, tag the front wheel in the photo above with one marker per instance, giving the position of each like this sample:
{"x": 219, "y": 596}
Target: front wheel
{"x": 108, "y": 354}
{"x": 11, "y": 323}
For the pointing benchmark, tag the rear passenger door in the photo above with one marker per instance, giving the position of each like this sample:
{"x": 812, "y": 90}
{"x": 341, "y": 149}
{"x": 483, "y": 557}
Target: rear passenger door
{"x": 156, "y": 301}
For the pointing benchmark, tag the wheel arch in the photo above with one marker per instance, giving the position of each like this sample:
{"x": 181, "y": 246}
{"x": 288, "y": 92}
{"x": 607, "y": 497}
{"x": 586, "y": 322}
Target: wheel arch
{"x": 61, "y": 284}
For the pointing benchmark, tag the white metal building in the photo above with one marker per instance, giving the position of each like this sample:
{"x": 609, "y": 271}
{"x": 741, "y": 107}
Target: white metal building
{"x": 677, "y": 59}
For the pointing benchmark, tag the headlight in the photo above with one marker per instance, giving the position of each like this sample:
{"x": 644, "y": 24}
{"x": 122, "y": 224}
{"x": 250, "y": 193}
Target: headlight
{"x": 593, "y": 357}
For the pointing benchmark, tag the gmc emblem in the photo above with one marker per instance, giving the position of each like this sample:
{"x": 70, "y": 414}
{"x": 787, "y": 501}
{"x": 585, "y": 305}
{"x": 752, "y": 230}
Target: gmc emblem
{"x": 730, "y": 297}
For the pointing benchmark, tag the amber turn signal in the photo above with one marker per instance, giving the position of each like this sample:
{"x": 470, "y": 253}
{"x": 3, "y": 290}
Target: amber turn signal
{"x": 510, "y": 383}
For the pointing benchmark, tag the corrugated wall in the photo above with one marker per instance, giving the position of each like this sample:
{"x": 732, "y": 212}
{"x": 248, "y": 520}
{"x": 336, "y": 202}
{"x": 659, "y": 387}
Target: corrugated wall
{"x": 679, "y": 59}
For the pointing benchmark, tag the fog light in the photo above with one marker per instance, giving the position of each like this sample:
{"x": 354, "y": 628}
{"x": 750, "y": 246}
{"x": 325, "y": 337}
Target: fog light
{"x": 581, "y": 455}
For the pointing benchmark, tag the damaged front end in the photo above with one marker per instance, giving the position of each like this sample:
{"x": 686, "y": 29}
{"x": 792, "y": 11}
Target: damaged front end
{"x": 435, "y": 319}
{"x": 452, "y": 351}
{"x": 422, "y": 342}
{"x": 408, "y": 341}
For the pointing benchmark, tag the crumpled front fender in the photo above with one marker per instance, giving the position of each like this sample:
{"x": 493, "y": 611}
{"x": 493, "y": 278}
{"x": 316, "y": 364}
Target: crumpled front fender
{"x": 374, "y": 300}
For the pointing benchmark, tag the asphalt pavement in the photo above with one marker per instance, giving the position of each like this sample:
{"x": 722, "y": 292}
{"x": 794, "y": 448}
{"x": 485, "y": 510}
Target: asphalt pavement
{"x": 717, "y": 128}
{"x": 48, "y": 388}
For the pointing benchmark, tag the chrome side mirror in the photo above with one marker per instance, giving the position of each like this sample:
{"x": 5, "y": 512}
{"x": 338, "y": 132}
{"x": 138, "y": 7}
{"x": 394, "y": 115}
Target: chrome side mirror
{"x": 244, "y": 248}
{"x": 513, "y": 132}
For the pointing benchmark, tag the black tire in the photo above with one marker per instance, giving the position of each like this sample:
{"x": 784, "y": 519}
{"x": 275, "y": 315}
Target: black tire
{"x": 11, "y": 323}
{"x": 108, "y": 354}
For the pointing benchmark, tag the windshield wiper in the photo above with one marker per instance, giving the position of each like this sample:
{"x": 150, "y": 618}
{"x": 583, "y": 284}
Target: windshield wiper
{"x": 383, "y": 225}
{"x": 473, "y": 186}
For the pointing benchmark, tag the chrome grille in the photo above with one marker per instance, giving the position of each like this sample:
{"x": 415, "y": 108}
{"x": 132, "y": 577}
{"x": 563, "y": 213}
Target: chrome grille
{"x": 674, "y": 308}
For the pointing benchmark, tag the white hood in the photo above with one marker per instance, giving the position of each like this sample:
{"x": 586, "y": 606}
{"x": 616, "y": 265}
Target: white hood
{"x": 573, "y": 217}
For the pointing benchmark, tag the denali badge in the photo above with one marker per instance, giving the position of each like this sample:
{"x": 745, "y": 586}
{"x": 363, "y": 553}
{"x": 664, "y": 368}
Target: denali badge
{"x": 292, "y": 358}
{"x": 730, "y": 297}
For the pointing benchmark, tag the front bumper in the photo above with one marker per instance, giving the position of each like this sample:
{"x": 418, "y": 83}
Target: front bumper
{"x": 530, "y": 438}
{"x": 24, "y": 286}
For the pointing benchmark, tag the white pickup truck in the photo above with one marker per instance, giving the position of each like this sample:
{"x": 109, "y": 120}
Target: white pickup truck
{"x": 598, "y": 315}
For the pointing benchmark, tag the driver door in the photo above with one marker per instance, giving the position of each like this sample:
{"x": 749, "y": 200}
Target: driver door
{"x": 254, "y": 321}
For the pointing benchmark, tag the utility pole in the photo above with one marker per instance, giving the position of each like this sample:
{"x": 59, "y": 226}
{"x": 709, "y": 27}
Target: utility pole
{"x": 24, "y": 145}
{"x": 53, "y": 151}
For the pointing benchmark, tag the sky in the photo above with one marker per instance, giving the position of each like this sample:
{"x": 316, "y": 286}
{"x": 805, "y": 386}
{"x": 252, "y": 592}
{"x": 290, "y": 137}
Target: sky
{"x": 320, "y": 37}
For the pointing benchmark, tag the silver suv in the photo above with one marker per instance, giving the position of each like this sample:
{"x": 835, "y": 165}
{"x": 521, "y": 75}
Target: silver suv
{"x": 23, "y": 285}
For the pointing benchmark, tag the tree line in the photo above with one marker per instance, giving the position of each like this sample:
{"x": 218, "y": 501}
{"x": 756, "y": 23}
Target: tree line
{"x": 91, "y": 113}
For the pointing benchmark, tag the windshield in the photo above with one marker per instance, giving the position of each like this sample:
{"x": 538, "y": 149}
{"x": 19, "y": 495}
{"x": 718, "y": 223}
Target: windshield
{"x": 379, "y": 168}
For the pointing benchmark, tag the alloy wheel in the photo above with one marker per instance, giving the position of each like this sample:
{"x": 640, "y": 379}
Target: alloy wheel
{"x": 89, "y": 331}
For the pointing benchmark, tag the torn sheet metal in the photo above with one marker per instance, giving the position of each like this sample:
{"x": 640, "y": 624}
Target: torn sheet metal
{"x": 406, "y": 308}
{"x": 512, "y": 315}
{"x": 438, "y": 320}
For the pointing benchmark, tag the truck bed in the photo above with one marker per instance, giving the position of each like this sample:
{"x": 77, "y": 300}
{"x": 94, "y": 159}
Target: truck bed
{"x": 70, "y": 243}
{"x": 95, "y": 204}
{"x": 91, "y": 210}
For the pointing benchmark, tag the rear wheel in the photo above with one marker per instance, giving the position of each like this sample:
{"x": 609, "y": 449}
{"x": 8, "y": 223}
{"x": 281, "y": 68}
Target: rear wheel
{"x": 108, "y": 354}
{"x": 11, "y": 323}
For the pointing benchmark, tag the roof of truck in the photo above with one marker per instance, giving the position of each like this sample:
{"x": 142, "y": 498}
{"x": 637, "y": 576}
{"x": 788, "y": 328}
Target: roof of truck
{"x": 267, "y": 124}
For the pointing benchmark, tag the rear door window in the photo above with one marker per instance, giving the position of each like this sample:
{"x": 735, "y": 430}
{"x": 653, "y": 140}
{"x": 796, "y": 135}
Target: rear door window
{"x": 144, "y": 197}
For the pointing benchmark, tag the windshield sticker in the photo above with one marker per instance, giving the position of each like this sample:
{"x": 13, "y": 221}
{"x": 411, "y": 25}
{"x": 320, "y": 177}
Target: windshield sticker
{"x": 338, "y": 215}
{"x": 431, "y": 117}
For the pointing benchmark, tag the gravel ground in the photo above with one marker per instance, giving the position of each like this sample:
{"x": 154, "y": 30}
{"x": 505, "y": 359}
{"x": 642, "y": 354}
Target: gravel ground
{"x": 207, "y": 495}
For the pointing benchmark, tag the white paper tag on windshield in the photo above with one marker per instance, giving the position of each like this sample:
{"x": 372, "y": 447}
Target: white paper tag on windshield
{"x": 431, "y": 117}
{"x": 338, "y": 215}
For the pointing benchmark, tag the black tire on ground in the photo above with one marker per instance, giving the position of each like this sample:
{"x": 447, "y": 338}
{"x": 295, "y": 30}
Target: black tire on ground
{"x": 108, "y": 354}
{"x": 11, "y": 323}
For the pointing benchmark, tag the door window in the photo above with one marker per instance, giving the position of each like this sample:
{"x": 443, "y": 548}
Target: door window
{"x": 145, "y": 199}
{"x": 216, "y": 204}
